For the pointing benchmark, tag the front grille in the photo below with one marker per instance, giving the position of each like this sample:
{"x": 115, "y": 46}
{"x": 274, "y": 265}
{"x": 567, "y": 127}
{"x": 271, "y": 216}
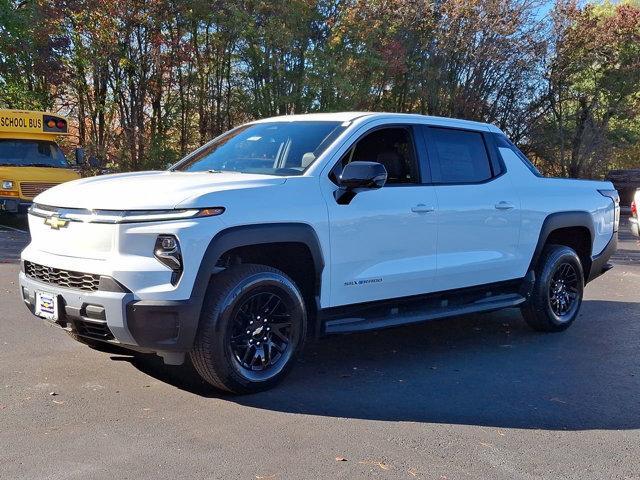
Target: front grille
{"x": 64, "y": 278}
{"x": 30, "y": 190}
{"x": 98, "y": 331}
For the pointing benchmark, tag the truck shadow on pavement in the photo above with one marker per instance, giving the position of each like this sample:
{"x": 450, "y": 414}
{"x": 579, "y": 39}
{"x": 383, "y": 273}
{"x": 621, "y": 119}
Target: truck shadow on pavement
{"x": 488, "y": 370}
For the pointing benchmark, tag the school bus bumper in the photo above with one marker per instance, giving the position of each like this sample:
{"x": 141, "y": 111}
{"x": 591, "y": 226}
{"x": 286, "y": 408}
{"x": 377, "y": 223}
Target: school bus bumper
{"x": 13, "y": 205}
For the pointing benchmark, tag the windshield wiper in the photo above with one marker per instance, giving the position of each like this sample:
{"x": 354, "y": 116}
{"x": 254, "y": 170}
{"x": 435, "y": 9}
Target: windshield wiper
{"x": 39, "y": 165}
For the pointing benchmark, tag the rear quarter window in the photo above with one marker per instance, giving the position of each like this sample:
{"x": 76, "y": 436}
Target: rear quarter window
{"x": 503, "y": 142}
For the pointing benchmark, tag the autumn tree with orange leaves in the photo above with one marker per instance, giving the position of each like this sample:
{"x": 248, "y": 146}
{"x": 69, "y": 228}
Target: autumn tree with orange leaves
{"x": 591, "y": 107}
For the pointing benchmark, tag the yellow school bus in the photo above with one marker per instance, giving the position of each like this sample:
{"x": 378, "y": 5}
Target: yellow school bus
{"x": 30, "y": 159}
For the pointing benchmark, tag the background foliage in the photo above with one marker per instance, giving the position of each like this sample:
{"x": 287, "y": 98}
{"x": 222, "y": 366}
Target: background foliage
{"x": 145, "y": 81}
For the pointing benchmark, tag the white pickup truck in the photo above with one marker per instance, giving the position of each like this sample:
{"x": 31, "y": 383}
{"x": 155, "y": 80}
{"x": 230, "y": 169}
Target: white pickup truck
{"x": 301, "y": 226}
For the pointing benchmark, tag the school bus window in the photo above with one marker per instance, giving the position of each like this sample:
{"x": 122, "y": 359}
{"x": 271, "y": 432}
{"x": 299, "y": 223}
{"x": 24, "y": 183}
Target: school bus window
{"x": 31, "y": 153}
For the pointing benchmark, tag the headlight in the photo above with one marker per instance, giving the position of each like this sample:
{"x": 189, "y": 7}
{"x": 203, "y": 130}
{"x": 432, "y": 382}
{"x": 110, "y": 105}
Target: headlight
{"x": 7, "y": 185}
{"x": 167, "y": 251}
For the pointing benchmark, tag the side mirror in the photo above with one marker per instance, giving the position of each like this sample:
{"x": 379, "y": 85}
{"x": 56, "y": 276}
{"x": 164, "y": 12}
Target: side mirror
{"x": 363, "y": 175}
{"x": 94, "y": 162}
{"x": 79, "y": 156}
{"x": 359, "y": 176}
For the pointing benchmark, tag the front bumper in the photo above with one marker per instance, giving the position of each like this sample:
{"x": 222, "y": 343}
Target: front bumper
{"x": 117, "y": 317}
{"x": 635, "y": 226}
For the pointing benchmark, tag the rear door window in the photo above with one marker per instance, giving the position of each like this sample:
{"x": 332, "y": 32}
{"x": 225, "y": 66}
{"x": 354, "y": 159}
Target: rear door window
{"x": 460, "y": 156}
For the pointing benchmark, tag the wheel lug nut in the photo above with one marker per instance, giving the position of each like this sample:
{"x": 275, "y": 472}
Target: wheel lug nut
{"x": 268, "y": 328}
{"x": 258, "y": 343}
{"x": 264, "y": 338}
{"x": 248, "y": 331}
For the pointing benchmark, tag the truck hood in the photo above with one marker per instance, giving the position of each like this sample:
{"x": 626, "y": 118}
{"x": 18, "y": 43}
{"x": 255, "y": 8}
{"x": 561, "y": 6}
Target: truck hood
{"x": 149, "y": 190}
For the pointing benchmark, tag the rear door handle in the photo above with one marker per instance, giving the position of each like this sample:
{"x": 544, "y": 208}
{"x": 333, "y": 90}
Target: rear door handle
{"x": 422, "y": 208}
{"x": 505, "y": 206}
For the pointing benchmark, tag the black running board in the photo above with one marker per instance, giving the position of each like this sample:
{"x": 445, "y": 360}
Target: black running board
{"x": 392, "y": 317}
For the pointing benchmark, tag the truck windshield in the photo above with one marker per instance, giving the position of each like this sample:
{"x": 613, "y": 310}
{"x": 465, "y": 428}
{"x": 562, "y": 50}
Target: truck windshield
{"x": 273, "y": 148}
{"x": 31, "y": 153}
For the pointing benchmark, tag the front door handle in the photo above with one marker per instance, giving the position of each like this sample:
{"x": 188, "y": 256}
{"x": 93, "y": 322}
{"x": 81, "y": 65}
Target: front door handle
{"x": 422, "y": 208}
{"x": 505, "y": 206}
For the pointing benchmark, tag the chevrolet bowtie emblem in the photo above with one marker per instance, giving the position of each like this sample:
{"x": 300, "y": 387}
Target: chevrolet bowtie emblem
{"x": 56, "y": 222}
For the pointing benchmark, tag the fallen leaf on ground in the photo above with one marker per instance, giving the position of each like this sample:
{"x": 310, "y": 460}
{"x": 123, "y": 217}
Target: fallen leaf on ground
{"x": 381, "y": 465}
{"x": 341, "y": 459}
{"x": 267, "y": 477}
{"x": 412, "y": 472}
{"x": 53, "y": 394}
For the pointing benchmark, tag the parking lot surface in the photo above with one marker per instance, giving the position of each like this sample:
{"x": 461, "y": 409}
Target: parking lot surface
{"x": 481, "y": 396}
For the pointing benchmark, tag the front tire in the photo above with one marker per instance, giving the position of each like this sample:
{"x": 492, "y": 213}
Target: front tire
{"x": 252, "y": 326}
{"x": 557, "y": 293}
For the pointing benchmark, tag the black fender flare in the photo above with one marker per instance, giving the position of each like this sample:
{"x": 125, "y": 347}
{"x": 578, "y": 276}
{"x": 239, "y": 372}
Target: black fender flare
{"x": 142, "y": 316}
{"x": 560, "y": 220}
{"x": 246, "y": 235}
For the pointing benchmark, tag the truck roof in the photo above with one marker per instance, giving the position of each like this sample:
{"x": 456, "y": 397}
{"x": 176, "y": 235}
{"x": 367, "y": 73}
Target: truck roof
{"x": 351, "y": 116}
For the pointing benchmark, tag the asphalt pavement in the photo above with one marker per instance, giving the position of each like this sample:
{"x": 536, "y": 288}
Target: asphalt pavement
{"x": 480, "y": 396}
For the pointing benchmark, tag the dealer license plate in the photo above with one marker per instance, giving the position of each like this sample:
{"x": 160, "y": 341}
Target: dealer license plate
{"x": 47, "y": 305}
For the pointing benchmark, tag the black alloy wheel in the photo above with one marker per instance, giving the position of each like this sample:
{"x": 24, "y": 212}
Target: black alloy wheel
{"x": 262, "y": 332}
{"x": 563, "y": 290}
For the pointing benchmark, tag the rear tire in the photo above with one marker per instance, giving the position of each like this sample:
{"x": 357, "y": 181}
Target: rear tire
{"x": 252, "y": 326}
{"x": 557, "y": 293}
